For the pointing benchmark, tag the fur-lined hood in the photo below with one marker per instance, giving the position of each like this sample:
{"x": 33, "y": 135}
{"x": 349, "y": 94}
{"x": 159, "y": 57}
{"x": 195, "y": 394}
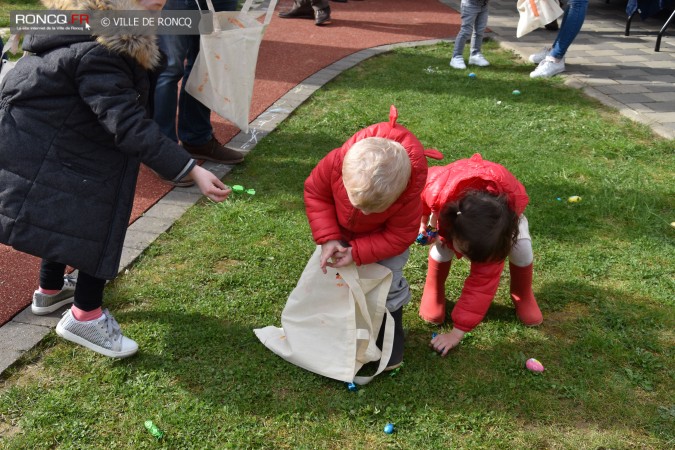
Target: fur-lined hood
{"x": 142, "y": 48}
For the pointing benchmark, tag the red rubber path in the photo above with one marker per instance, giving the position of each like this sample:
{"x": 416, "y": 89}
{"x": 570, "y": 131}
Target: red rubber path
{"x": 292, "y": 50}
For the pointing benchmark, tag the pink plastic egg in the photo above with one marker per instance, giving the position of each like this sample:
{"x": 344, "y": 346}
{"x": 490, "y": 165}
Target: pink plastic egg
{"x": 534, "y": 365}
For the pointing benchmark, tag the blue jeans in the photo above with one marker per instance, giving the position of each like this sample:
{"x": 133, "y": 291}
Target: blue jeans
{"x": 194, "y": 119}
{"x": 573, "y": 19}
{"x": 474, "y": 14}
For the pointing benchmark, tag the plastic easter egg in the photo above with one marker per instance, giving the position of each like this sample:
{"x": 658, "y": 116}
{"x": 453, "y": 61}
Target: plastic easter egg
{"x": 534, "y": 365}
{"x": 389, "y": 428}
{"x": 472, "y": 75}
{"x": 516, "y": 92}
{"x": 672, "y": 224}
{"x": 574, "y": 199}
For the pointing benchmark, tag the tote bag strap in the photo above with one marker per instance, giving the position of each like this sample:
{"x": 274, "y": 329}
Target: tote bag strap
{"x": 387, "y": 346}
{"x": 350, "y": 276}
{"x": 244, "y": 9}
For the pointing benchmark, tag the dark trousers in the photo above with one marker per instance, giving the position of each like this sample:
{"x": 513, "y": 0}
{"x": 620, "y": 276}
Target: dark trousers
{"x": 397, "y": 350}
{"x": 88, "y": 290}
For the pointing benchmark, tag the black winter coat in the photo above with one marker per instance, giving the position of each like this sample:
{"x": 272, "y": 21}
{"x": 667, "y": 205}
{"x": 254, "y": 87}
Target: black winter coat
{"x": 73, "y": 132}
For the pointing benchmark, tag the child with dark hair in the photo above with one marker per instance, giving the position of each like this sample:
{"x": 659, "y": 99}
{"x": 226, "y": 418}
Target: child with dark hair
{"x": 477, "y": 206}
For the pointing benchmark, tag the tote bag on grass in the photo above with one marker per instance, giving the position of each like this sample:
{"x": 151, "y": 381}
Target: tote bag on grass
{"x": 331, "y": 321}
{"x": 224, "y": 71}
{"x": 535, "y": 14}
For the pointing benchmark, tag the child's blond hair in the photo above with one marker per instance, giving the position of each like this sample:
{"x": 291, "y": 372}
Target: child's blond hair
{"x": 375, "y": 172}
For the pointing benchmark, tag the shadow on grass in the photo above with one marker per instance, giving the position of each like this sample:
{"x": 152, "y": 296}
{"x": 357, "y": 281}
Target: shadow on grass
{"x": 596, "y": 345}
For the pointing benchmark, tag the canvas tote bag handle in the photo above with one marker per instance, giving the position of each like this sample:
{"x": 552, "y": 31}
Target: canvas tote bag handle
{"x": 244, "y": 9}
{"x": 350, "y": 276}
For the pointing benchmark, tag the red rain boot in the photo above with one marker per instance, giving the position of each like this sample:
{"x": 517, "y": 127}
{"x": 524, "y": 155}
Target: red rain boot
{"x": 522, "y": 296}
{"x": 432, "y": 306}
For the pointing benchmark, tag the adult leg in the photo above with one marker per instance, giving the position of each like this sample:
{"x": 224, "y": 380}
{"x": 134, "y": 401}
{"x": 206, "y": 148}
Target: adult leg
{"x": 572, "y": 21}
{"x": 166, "y": 91}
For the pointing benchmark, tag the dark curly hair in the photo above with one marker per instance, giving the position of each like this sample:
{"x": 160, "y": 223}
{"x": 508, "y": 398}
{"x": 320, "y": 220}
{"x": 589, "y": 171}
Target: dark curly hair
{"x": 484, "y": 223}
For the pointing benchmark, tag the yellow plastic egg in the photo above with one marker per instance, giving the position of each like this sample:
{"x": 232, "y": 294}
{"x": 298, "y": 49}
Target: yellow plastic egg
{"x": 574, "y": 199}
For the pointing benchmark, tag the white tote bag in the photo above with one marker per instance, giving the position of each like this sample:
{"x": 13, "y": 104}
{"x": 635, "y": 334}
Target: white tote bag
{"x": 331, "y": 321}
{"x": 224, "y": 71}
{"x": 535, "y": 14}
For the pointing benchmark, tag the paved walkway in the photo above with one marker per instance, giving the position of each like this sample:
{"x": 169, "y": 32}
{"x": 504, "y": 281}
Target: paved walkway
{"x": 622, "y": 72}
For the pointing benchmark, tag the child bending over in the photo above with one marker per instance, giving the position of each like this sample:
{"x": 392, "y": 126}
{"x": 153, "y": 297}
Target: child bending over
{"x": 363, "y": 204}
{"x": 477, "y": 206}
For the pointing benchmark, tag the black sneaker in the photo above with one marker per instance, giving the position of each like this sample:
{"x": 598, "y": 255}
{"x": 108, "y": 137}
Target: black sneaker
{"x": 297, "y": 12}
{"x": 322, "y": 16}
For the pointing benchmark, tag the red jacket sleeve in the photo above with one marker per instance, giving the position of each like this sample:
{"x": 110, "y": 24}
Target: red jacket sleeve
{"x": 320, "y": 202}
{"x": 478, "y": 292}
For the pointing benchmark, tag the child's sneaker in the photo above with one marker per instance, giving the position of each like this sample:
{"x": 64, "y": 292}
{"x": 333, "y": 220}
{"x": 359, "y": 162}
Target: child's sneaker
{"x": 45, "y": 303}
{"x": 102, "y": 335}
{"x": 478, "y": 60}
{"x": 457, "y": 62}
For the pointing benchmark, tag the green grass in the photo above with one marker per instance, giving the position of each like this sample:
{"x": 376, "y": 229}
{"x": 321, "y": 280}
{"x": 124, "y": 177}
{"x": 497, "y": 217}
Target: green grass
{"x": 6, "y": 6}
{"x": 603, "y": 277}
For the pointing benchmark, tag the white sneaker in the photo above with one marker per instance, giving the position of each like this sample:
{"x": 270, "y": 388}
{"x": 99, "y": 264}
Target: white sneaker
{"x": 548, "y": 67}
{"x": 102, "y": 335}
{"x": 478, "y": 60}
{"x": 457, "y": 62}
{"x": 538, "y": 57}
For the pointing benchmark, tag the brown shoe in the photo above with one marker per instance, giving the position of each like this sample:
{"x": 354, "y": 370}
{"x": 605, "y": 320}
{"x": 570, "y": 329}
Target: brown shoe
{"x": 297, "y": 12}
{"x": 214, "y": 151}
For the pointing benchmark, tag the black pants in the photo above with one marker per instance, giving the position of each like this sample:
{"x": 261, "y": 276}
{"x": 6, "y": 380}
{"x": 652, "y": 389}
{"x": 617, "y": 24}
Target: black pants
{"x": 397, "y": 350}
{"x": 88, "y": 290}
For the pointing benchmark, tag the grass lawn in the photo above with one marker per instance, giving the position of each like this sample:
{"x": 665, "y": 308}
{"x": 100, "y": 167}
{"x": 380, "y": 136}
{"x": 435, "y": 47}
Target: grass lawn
{"x": 603, "y": 278}
{"x": 6, "y": 6}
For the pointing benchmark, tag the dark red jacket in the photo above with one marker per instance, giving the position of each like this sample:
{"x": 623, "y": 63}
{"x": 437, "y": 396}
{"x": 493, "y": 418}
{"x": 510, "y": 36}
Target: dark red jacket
{"x": 376, "y": 236}
{"x": 448, "y": 183}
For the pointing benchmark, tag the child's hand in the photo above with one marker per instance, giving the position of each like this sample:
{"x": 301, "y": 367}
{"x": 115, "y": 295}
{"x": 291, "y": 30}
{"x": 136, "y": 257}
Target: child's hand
{"x": 423, "y": 225}
{"x": 329, "y": 249}
{"x": 209, "y": 184}
{"x": 443, "y": 343}
{"x": 341, "y": 259}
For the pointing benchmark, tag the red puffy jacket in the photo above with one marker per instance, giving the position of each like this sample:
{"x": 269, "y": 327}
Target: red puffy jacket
{"x": 376, "y": 236}
{"x": 449, "y": 183}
